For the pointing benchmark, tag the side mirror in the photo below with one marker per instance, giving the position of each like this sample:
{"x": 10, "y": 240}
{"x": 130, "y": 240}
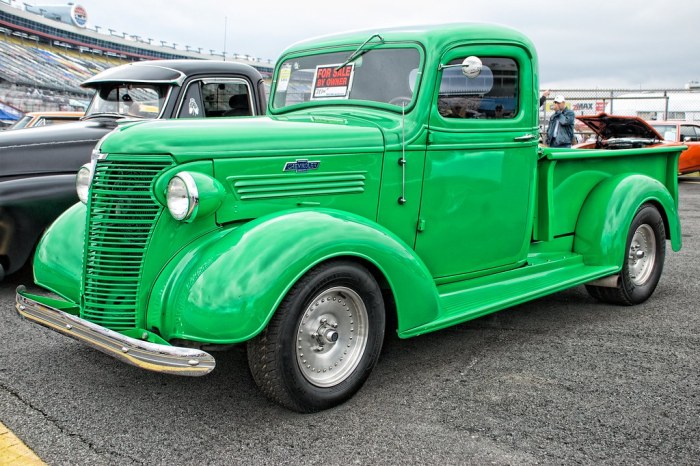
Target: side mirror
{"x": 471, "y": 67}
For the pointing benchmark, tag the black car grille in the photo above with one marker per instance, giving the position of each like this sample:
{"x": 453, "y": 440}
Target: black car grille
{"x": 122, "y": 213}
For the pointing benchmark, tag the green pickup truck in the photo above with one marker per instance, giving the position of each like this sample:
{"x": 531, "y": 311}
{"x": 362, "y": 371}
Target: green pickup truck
{"x": 396, "y": 178}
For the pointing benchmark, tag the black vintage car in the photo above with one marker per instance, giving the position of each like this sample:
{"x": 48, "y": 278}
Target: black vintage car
{"x": 38, "y": 165}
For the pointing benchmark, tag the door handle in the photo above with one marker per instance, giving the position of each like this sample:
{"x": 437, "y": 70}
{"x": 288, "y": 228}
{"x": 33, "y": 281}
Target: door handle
{"x": 524, "y": 138}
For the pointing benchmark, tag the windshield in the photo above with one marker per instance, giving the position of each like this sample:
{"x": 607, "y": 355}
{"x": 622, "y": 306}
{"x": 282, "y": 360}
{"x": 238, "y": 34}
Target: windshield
{"x": 385, "y": 75}
{"x": 22, "y": 122}
{"x": 132, "y": 100}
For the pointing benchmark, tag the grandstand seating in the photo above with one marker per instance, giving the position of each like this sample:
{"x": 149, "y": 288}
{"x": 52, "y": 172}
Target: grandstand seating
{"x": 36, "y": 77}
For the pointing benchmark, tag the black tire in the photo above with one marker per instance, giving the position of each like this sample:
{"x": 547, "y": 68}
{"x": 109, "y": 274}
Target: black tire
{"x": 317, "y": 324}
{"x": 638, "y": 279}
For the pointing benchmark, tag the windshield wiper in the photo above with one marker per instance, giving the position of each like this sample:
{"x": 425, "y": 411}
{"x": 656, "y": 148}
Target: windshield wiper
{"x": 358, "y": 51}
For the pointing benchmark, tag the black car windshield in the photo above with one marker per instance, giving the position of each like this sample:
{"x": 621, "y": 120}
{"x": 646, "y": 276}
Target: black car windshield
{"x": 128, "y": 100}
{"x": 383, "y": 75}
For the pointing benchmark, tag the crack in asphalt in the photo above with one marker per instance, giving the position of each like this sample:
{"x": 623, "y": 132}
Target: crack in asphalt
{"x": 55, "y": 422}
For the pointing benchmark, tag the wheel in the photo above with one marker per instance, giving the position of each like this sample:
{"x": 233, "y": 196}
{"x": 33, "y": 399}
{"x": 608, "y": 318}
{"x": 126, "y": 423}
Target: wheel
{"x": 324, "y": 339}
{"x": 646, "y": 250}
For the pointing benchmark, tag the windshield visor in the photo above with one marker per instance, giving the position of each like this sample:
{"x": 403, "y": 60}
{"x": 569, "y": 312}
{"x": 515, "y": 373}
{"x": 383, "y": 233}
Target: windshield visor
{"x": 129, "y": 100}
{"x": 381, "y": 75}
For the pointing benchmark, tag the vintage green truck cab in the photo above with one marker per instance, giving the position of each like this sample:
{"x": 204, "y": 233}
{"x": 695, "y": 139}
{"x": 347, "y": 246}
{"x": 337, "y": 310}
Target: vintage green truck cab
{"x": 396, "y": 178}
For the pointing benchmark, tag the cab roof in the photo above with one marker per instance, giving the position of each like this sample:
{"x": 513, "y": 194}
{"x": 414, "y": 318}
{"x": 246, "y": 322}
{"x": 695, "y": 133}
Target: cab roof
{"x": 431, "y": 36}
{"x": 168, "y": 72}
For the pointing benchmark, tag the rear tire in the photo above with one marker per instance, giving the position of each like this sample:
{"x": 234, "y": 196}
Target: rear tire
{"x": 323, "y": 341}
{"x": 641, "y": 271}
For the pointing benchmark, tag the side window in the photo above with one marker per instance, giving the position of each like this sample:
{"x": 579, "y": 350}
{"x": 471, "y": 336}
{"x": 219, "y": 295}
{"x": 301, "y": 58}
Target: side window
{"x": 687, "y": 131}
{"x": 223, "y": 99}
{"x": 217, "y": 97}
{"x": 492, "y": 94}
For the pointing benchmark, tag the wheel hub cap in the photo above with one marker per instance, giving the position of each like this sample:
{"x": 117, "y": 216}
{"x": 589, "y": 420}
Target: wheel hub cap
{"x": 642, "y": 255}
{"x": 332, "y": 336}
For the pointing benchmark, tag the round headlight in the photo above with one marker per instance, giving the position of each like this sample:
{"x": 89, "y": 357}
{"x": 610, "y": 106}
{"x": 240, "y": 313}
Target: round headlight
{"x": 182, "y": 197}
{"x": 82, "y": 182}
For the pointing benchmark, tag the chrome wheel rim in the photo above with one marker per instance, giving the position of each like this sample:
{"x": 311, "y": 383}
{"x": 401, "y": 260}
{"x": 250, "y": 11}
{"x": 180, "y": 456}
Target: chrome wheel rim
{"x": 332, "y": 336}
{"x": 642, "y": 255}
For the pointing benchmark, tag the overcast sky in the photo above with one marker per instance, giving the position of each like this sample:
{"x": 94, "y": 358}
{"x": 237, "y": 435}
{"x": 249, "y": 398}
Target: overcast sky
{"x": 592, "y": 43}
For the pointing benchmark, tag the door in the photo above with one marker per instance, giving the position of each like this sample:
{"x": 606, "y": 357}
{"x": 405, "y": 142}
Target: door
{"x": 478, "y": 194}
{"x": 690, "y": 158}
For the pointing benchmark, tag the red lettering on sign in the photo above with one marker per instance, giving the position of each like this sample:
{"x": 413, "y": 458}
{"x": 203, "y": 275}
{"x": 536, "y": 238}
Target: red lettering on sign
{"x": 344, "y": 72}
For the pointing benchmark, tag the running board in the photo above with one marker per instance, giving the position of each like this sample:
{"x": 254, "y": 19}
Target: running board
{"x": 484, "y": 295}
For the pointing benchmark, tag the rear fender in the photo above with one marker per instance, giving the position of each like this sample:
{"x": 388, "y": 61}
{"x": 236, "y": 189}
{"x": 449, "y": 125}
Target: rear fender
{"x": 607, "y": 213}
{"x": 224, "y": 287}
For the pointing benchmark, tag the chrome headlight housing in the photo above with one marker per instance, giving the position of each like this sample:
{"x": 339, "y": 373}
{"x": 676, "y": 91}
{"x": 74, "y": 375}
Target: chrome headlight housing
{"x": 83, "y": 179}
{"x": 82, "y": 182}
{"x": 182, "y": 197}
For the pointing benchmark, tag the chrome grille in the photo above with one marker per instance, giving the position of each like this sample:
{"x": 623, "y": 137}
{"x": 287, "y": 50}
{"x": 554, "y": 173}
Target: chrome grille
{"x": 121, "y": 218}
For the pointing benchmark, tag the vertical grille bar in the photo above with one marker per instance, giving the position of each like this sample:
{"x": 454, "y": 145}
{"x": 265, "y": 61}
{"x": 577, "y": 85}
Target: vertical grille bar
{"x": 122, "y": 216}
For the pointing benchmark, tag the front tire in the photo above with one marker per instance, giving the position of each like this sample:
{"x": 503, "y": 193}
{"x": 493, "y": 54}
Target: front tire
{"x": 323, "y": 341}
{"x": 641, "y": 271}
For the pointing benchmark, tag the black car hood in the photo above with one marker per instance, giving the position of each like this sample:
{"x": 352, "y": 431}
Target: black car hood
{"x": 50, "y": 149}
{"x": 613, "y": 127}
{"x": 56, "y": 133}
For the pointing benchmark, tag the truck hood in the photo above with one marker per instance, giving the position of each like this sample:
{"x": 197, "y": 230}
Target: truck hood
{"x": 189, "y": 140}
{"x": 612, "y": 126}
{"x": 50, "y": 149}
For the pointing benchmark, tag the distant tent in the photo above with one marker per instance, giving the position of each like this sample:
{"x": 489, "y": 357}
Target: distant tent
{"x": 9, "y": 113}
{"x": 4, "y": 115}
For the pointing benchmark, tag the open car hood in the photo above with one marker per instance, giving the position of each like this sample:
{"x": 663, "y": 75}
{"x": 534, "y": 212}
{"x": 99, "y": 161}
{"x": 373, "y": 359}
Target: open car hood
{"x": 613, "y": 127}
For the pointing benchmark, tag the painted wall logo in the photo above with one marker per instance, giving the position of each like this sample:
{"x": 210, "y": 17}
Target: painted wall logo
{"x": 79, "y": 16}
{"x": 301, "y": 165}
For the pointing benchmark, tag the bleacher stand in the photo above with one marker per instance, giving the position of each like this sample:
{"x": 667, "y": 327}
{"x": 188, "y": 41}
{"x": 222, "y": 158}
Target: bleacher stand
{"x": 38, "y": 77}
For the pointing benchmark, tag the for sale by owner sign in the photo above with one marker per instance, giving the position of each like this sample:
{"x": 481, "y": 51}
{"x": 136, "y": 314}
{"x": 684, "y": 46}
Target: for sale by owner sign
{"x": 333, "y": 81}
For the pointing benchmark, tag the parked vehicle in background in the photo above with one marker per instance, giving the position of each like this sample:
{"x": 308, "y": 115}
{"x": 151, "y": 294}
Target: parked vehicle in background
{"x": 37, "y": 119}
{"x": 37, "y": 168}
{"x": 618, "y": 132}
{"x": 397, "y": 174}
{"x": 689, "y": 134}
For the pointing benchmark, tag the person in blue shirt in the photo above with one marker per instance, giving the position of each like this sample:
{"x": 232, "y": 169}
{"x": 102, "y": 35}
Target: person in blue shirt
{"x": 560, "y": 132}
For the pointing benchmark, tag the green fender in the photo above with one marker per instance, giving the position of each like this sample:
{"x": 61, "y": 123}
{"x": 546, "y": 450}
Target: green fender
{"x": 58, "y": 261}
{"x": 607, "y": 213}
{"x": 224, "y": 287}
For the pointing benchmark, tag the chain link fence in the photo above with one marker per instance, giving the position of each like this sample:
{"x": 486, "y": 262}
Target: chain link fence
{"x": 648, "y": 104}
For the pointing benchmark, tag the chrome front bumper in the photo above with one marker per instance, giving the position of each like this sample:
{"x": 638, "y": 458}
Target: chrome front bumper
{"x": 151, "y": 356}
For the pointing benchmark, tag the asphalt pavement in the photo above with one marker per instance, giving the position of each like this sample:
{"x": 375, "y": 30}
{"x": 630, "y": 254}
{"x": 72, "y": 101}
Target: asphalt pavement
{"x": 559, "y": 380}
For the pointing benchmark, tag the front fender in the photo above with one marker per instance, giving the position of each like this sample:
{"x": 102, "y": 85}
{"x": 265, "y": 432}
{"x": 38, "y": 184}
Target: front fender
{"x": 607, "y": 213}
{"x": 224, "y": 287}
{"x": 58, "y": 261}
{"x": 29, "y": 205}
